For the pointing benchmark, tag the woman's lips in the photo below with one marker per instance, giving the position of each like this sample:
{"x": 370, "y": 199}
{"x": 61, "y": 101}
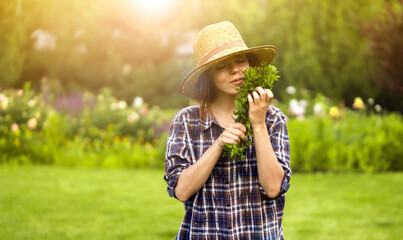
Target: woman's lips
{"x": 237, "y": 82}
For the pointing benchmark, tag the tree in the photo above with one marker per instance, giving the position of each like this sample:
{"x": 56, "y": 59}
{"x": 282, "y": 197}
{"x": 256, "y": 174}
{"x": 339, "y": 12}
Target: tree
{"x": 386, "y": 35}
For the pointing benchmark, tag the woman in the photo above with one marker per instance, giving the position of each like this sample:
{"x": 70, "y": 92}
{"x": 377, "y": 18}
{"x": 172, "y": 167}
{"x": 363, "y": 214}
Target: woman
{"x": 226, "y": 199}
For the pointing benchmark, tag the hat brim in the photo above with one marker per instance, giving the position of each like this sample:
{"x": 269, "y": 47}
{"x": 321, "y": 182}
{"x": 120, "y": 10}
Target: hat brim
{"x": 189, "y": 85}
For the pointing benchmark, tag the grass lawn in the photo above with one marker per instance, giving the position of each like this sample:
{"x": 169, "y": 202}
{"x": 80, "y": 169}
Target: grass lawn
{"x": 48, "y": 202}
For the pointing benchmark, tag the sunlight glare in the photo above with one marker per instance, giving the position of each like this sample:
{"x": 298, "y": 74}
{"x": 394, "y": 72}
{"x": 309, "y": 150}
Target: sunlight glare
{"x": 153, "y": 7}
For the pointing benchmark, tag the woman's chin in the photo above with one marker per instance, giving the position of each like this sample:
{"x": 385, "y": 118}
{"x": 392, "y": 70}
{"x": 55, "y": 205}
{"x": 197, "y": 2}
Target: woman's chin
{"x": 234, "y": 93}
{"x": 229, "y": 91}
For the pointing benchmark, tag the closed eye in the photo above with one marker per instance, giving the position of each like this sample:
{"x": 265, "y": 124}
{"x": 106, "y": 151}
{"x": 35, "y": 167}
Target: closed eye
{"x": 219, "y": 67}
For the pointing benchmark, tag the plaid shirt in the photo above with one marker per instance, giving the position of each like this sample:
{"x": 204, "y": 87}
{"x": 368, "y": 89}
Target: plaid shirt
{"x": 231, "y": 204}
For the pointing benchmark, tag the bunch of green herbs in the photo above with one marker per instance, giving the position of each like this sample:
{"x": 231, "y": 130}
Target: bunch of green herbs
{"x": 261, "y": 76}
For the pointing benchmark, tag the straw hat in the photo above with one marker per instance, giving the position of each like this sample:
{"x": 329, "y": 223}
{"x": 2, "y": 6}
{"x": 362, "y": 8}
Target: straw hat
{"x": 215, "y": 43}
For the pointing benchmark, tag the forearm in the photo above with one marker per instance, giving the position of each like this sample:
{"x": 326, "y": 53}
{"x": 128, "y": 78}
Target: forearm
{"x": 193, "y": 178}
{"x": 270, "y": 171}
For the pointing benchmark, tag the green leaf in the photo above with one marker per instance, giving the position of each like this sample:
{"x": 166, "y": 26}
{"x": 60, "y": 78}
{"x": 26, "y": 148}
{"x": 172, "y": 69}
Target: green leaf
{"x": 262, "y": 76}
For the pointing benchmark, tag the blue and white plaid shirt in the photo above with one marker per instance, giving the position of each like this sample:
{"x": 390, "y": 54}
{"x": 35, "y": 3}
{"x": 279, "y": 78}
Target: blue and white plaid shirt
{"x": 231, "y": 204}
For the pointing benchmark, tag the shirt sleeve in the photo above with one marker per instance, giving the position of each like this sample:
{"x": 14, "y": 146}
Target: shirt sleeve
{"x": 177, "y": 154}
{"x": 281, "y": 146}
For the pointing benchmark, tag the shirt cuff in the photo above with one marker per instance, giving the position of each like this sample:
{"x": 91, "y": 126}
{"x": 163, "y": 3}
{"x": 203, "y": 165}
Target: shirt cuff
{"x": 172, "y": 184}
{"x": 285, "y": 185}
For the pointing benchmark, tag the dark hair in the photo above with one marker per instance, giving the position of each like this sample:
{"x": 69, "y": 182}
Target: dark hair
{"x": 207, "y": 93}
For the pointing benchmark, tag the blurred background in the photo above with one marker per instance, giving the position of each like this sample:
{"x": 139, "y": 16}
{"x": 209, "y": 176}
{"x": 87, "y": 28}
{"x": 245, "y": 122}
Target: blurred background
{"x": 88, "y": 90}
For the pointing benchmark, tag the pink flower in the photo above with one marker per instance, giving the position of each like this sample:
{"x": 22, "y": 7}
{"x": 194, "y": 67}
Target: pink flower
{"x": 15, "y": 127}
{"x": 20, "y": 92}
{"x": 32, "y": 123}
{"x": 143, "y": 111}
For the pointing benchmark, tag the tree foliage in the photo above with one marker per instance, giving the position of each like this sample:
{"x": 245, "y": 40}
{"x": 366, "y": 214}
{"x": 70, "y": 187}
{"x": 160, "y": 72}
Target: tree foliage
{"x": 386, "y": 34}
{"x": 117, "y": 44}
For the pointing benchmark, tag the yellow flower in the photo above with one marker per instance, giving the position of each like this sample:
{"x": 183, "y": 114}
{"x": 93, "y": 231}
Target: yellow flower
{"x": 17, "y": 142}
{"x": 334, "y": 112}
{"x": 117, "y": 139}
{"x": 155, "y": 141}
{"x": 141, "y": 140}
{"x": 358, "y": 103}
{"x": 124, "y": 139}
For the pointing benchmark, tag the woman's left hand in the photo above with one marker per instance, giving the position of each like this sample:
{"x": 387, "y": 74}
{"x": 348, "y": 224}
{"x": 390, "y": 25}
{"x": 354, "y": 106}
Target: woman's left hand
{"x": 259, "y": 101}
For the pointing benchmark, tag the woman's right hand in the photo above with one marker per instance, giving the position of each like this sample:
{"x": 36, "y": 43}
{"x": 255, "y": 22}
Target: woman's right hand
{"x": 233, "y": 134}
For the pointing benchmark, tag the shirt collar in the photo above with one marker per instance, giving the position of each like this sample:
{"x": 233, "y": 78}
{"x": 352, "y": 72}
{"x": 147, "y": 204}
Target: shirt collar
{"x": 208, "y": 120}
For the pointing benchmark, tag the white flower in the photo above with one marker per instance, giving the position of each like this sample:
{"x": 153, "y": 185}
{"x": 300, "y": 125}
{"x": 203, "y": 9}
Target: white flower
{"x": 133, "y": 117}
{"x": 371, "y": 101}
{"x": 378, "y": 108}
{"x": 293, "y": 103}
{"x": 32, "y": 123}
{"x": 290, "y": 90}
{"x": 113, "y": 106}
{"x": 318, "y": 108}
{"x": 3, "y": 101}
{"x": 31, "y": 102}
{"x": 297, "y": 108}
{"x": 137, "y": 102}
{"x": 122, "y": 105}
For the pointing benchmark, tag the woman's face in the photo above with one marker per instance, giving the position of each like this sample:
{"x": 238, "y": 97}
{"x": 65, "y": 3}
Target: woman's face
{"x": 227, "y": 75}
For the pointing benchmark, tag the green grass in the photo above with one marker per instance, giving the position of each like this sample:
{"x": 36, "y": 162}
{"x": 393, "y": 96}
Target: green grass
{"x": 48, "y": 202}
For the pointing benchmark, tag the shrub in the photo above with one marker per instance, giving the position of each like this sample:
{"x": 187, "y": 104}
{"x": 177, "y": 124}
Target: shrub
{"x": 111, "y": 134}
{"x": 355, "y": 143}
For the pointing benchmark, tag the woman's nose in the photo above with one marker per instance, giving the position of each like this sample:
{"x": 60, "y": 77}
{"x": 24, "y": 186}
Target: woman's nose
{"x": 235, "y": 67}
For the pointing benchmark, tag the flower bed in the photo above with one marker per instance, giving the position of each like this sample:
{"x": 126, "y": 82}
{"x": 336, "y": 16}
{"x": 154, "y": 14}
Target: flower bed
{"x": 110, "y": 133}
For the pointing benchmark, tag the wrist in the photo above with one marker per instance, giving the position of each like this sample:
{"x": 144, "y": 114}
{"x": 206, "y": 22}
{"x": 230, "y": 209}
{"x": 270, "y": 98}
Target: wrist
{"x": 219, "y": 143}
{"x": 261, "y": 126}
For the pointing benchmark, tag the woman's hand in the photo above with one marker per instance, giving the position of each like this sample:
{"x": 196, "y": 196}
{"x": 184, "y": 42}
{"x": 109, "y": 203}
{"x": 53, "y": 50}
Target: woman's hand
{"x": 233, "y": 134}
{"x": 258, "y": 104}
